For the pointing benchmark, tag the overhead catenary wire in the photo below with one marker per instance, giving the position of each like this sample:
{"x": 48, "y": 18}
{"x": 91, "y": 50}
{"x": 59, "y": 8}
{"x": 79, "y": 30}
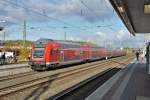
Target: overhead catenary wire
{"x": 113, "y": 12}
{"x": 17, "y": 5}
{"x": 51, "y": 18}
{"x": 79, "y": 26}
{"x": 68, "y": 25}
{"x": 91, "y": 10}
{"x": 44, "y": 15}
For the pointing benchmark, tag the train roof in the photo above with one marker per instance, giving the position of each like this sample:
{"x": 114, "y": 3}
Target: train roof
{"x": 68, "y": 42}
{"x": 43, "y": 41}
{"x": 64, "y": 43}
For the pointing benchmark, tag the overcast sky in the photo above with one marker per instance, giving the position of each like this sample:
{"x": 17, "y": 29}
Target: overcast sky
{"x": 81, "y": 20}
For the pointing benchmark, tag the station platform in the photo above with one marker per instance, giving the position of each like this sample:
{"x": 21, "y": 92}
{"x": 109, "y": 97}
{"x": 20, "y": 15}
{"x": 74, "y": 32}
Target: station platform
{"x": 131, "y": 83}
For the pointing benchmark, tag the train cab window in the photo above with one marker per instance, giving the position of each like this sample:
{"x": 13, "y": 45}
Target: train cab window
{"x": 38, "y": 53}
{"x": 51, "y": 51}
{"x": 57, "y": 51}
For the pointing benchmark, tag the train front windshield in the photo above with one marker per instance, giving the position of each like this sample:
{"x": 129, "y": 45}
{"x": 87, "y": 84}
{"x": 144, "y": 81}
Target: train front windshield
{"x": 38, "y": 53}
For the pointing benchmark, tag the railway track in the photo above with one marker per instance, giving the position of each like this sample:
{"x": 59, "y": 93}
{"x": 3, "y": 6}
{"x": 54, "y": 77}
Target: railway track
{"x": 13, "y": 88}
{"x": 83, "y": 89}
{"x": 32, "y": 72}
{"x": 12, "y": 68}
{"x": 36, "y": 81}
{"x": 8, "y": 77}
{"x": 57, "y": 87}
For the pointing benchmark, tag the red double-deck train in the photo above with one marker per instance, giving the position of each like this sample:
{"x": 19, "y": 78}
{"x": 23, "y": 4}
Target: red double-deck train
{"x": 47, "y": 53}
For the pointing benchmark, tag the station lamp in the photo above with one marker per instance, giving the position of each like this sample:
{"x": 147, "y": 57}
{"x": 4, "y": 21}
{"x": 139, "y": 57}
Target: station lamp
{"x": 120, "y": 6}
{"x": 121, "y": 9}
{"x": 147, "y": 7}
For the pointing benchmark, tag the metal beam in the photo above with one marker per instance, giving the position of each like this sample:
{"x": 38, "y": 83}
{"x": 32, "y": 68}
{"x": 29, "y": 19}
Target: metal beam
{"x": 124, "y": 17}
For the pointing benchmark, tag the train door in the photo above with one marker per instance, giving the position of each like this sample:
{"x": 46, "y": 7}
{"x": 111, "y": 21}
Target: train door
{"x": 61, "y": 56}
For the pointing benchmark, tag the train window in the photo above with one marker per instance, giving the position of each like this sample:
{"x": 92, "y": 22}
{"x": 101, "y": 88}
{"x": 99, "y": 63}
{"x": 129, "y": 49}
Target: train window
{"x": 51, "y": 51}
{"x": 57, "y": 51}
{"x": 38, "y": 53}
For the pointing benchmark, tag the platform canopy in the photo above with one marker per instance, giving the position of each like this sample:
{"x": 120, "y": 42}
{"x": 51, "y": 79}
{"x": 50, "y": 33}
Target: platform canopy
{"x": 135, "y": 14}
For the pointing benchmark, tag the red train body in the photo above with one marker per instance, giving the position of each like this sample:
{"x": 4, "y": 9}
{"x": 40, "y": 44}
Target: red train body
{"x": 47, "y": 53}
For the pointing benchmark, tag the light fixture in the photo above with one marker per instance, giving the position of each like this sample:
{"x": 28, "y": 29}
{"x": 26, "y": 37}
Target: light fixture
{"x": 121, "y": 9}
{"x": 120, "y": 6}
{"x": 147, "y": 8}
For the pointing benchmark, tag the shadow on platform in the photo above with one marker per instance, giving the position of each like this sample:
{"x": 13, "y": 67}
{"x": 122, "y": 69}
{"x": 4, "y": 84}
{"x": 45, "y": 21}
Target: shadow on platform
{"x": 131, "y": 83}
{"x": 136, "y": 88}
